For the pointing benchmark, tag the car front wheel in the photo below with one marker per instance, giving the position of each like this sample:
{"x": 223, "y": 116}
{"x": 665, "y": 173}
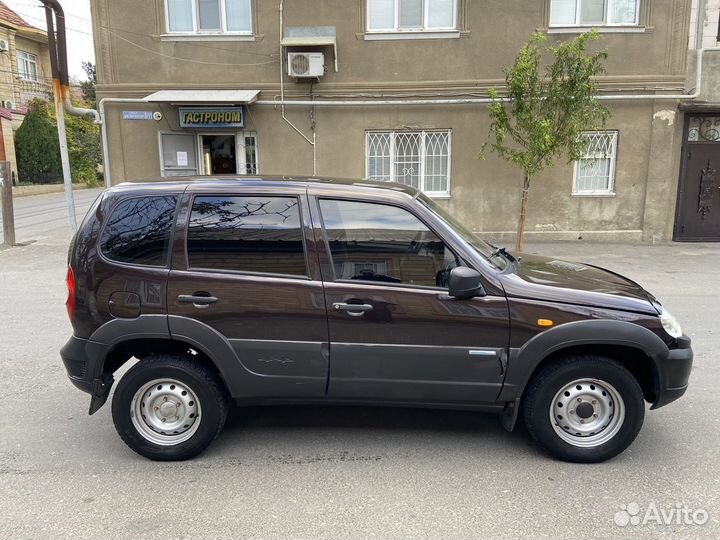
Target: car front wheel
{"x": 584, "y": 409}
{"x": 169, "y": 407}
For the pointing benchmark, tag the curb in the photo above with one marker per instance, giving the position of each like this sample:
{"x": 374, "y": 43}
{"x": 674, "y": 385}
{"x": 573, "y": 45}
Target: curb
{"x": 28, "y": 191}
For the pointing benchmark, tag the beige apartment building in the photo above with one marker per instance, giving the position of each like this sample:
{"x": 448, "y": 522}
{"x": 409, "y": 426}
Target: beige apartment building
{"x": 24, "y": 75}
{"x": 394, "y": 90}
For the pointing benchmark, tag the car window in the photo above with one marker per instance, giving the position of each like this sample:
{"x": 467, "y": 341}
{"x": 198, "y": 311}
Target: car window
{"x": 377, "y": 242}
{"x": 138, "y": 231}
{"x": 246, "y": 234}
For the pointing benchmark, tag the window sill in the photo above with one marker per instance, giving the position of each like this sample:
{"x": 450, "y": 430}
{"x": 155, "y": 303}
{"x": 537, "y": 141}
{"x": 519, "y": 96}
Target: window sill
{"x": 209, "y": 37}
{"x": 436, "y": 195}
{"x": 604, "y": 194}
{"x": 608, "y": 29}
{"x": 424, "y": 34}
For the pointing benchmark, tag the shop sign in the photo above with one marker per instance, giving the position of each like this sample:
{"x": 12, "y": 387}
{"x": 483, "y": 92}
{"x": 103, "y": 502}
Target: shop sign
{"x": 212, "y": 117}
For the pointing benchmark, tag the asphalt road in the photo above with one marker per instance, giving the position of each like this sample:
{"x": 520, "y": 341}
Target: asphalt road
{"x": 304, "y": 472}
{"x": 44, "y": 216}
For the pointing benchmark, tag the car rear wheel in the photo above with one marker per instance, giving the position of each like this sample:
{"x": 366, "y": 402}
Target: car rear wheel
{"x": 169, "y": 407}
{"x": 584, "y": 409}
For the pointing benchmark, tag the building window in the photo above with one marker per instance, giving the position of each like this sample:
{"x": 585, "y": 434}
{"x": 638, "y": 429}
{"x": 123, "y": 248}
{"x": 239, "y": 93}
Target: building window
{"x": 420, "y": 159}
{"x": 595, "y": 171}
{"x": 411, "y": 15}
{"x": 594, "y": 12}
{"x": 209, "y": 16}
{"x": 27, "y": 66}
{"x": 178, "y": 154}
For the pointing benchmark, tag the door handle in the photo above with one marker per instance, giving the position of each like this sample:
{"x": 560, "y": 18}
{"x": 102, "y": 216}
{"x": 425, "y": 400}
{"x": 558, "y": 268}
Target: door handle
{"x": 197, "y": 300}
{"x": 356, "y": 310}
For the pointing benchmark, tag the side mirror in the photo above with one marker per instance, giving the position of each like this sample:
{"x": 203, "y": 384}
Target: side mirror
{"x": 465, "y": 283}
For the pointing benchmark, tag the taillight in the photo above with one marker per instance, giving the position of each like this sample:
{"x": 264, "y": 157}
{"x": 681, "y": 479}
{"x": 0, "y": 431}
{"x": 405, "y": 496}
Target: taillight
{"x": 70, "y": 302}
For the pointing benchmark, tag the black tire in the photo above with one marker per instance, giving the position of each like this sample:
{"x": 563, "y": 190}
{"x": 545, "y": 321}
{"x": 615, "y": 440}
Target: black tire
{"x": 551, "y": 379}
{"x": 204, "y": 384}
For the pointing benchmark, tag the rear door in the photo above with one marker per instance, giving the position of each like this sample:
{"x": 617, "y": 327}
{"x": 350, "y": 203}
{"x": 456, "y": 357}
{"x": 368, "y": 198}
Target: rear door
{"x": 395, "y": 334}
{"x": 245, "y": 265}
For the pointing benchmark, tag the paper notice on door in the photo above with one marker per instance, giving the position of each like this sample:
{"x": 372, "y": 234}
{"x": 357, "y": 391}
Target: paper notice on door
{"x": 182, "y": 159}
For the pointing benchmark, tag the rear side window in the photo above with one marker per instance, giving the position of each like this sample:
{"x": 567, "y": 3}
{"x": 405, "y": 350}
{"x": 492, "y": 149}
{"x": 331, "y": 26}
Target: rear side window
{"x": 246, "y": 234}
{"x": 138, "y": 231}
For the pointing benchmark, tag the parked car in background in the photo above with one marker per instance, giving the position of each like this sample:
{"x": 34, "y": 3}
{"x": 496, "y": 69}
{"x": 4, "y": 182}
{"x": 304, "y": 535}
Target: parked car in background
{"x": 298, "y": 290}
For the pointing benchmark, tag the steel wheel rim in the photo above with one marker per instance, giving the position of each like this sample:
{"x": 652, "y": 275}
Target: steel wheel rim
{"x": 587, "y": 413}
{"x": 165, "y": 412}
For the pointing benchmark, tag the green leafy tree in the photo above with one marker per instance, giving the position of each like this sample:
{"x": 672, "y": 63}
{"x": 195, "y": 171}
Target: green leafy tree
{"x": 38, "y": 150}
{"x": 546, "y": 108}
{"x": 84, "y": 149}
{"x": 36, "y": 145}
{"x": 88, "y": 86}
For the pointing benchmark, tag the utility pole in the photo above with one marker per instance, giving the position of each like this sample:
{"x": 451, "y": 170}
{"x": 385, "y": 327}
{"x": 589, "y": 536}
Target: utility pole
{"x": 61, "y": 90}
{"x": 8, "y": 214}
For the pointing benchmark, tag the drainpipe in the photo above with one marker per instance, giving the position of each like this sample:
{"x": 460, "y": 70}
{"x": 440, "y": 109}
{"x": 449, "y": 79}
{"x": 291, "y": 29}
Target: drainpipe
{"x": 61, "y": 92}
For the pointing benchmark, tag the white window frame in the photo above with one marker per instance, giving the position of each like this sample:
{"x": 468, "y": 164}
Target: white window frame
{"x": 196, "y": 22}
{"x": 25, "y": 59}
{"x": 423, "y": 28}
{"x": 610, "y": 190}
{"x": 423, "y": 133}
{"x": 605, "y": 23}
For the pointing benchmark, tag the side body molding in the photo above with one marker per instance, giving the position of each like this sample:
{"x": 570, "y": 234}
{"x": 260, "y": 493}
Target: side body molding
{"x": 523, "y": 361}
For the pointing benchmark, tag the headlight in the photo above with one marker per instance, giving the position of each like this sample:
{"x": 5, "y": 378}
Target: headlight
{"x": 670, "y": 324}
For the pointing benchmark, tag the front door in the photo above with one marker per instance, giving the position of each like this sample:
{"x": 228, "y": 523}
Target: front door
{"x": 395, "y": 334}
{"x": 219, "y": 154}
{"x": 698, "y": 208}
{"x": 244, "y": 265}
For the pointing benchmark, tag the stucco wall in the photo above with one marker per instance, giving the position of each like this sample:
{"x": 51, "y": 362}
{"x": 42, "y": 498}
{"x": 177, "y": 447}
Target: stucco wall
{"x": 484, "y": 193}
{"x": 135, "y": 59}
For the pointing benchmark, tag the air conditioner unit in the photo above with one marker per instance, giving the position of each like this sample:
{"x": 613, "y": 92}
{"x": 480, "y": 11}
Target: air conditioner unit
{"x": 306, "y": 64}
{"x": 8, "y": 104}
{"x": 4, "y": 45}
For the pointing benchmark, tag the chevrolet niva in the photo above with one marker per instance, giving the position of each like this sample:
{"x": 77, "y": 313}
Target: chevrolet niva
{"x": 307, "y": 291}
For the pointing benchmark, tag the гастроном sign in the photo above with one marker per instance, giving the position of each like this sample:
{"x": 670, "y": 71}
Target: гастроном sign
{"x": 212, "y": 117}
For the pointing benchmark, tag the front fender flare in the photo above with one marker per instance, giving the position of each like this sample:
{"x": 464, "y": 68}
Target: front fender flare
{"x": 524, "y": 361}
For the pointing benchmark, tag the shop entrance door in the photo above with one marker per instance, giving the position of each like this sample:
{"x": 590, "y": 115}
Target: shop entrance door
{"x": 219, "y": 154}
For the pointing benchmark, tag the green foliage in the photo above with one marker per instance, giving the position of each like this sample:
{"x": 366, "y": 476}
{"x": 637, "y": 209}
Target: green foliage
{"x": 88, "y": 86}
{"x": 36, "y": 145}
{"x": 545, "y": 110}
{"x": 38, "y": 150}
{"x": 84, "y": 149}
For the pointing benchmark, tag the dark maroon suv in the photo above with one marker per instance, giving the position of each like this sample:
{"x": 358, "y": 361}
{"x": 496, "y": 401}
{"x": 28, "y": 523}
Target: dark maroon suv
{"x": 296, "y": 290}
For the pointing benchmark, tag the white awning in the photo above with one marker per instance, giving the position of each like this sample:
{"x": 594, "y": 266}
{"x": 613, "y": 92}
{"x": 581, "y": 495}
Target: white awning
{"x": 203, "y": 96}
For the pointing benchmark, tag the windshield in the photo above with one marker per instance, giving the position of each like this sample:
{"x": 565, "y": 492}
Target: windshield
{"x": 480, "y": 246}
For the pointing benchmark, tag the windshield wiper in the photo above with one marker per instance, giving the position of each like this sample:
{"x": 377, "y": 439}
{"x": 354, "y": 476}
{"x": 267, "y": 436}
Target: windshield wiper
{"x": 503, "y": 252}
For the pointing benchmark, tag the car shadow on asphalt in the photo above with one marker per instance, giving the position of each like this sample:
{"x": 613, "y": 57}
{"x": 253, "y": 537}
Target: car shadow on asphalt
{"x": 398, "y": 427}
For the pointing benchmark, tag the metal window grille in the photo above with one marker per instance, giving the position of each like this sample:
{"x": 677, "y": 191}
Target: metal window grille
{"x": 420, "y": 159}
{"x": 595, "y": 171}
